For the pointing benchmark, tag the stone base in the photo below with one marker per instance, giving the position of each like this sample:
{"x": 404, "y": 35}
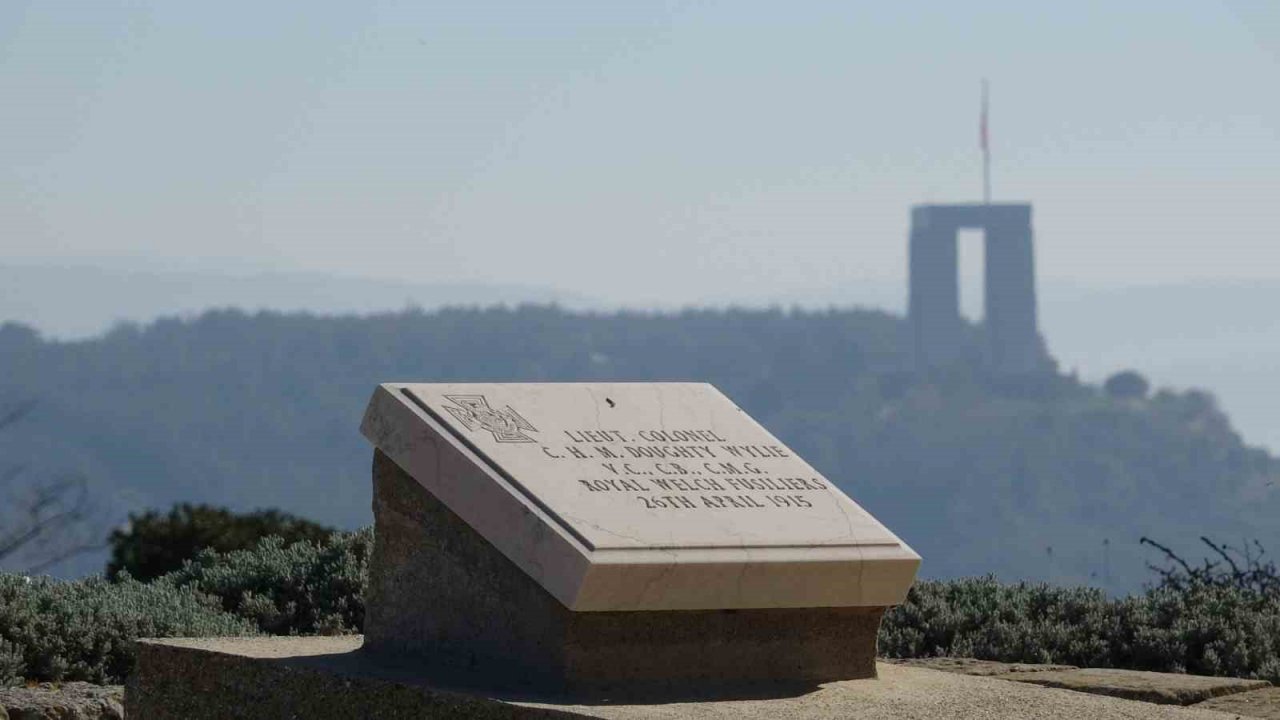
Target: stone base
{"x": 328, "y": 678}
{"x": 1264, "y": 703}
{"x": 441, "y": 595}
{"x": 1152, "y": 687}
{"x": 317, "y": 678}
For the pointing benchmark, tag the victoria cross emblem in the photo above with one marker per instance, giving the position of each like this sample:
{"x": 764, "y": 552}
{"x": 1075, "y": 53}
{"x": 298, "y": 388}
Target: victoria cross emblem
{"x": 474, "y": 412}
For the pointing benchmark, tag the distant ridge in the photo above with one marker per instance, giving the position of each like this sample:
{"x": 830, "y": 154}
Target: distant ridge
{"x": 1222, "y": 335}
{"x": 81, "y": 301}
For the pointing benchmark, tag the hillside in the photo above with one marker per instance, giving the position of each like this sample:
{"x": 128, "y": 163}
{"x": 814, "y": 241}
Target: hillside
{"x": 1049, "y": 479}
{"x": 37, "y": 295}
{"x": 1218, "y": 335}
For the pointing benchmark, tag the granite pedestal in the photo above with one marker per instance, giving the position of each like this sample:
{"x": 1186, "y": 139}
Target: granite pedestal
{"x": 330, "y": 678}
{"x": 443, "y": 596}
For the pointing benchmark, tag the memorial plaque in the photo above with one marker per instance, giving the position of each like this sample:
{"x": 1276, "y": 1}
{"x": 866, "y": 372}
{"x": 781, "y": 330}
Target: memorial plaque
{"x": 639, "y": 496}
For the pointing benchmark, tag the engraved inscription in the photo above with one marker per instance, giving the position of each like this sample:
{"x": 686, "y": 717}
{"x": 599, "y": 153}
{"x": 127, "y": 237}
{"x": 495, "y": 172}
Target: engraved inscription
{"x": 687, "y": 469}
{"x": 665, "y": 465}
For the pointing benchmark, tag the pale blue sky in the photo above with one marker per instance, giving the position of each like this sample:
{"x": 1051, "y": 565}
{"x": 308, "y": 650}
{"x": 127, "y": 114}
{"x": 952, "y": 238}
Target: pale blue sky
{"x": 636, "y": 152}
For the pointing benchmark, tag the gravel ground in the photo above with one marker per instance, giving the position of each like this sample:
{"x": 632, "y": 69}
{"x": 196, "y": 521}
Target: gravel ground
{"x": 905, "y": 693}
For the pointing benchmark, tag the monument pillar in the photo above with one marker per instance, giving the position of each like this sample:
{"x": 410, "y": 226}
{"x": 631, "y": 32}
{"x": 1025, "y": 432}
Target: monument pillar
{"x": 934, "y": 304}
{"x": 1013, "y": 343}
{"x": 1013, "y": 340}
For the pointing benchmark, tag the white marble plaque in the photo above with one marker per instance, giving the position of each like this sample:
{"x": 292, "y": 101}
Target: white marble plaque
{"x": 635, "y": 496}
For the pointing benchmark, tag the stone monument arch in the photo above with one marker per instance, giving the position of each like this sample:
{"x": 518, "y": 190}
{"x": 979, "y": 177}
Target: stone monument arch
{"x": 1013, "y": 342}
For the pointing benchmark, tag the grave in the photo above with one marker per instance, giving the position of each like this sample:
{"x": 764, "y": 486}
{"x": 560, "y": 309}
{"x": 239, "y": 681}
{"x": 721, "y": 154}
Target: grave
{"x": 617, "y": 537}
{"x": 570, "y": 543}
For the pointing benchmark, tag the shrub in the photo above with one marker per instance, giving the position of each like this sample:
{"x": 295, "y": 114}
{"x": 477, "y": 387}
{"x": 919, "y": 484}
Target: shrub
{"x": 152, "y": 544}
{"x": 986, "y": 619}
{"x": 299, "y": 589}
{"x": 83, "y": 630}
{"x": 1200, "y": 629}
{"x": 1127, "y": 384}
{"x": 11, "y": 665}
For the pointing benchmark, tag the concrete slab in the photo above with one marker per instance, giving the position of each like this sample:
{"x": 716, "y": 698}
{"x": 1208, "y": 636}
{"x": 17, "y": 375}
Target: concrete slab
{"x": 1152, "y": 687}
{"x": 323, "y": 678}
{"x": 979, "y": 668}
{"x": 440, "y": 594}
{"x": 1264, "y": 703}
{"x": 639, "y": 496}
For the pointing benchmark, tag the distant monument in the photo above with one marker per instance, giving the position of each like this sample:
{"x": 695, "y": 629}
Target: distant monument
{"x": 1013, "y": 342}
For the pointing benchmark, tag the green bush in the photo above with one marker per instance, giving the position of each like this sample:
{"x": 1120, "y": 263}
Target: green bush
{"x": 983, "y": 618}
{"x": 152, "y": 543}
{"x": 1202, "y": 630}
{"x": 1199, "y": 629}
{"x": 1127, "y": 384}
{"x": 84, "y": 630}
{"x": 11, "y": 665}
{"x": 303, "y": 588}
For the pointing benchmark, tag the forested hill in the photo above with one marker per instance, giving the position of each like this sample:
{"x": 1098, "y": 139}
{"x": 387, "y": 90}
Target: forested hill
{"x": 1050, "y": 479}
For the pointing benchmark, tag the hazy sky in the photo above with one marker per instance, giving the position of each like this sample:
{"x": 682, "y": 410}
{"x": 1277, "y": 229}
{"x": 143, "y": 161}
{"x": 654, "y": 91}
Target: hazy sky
{"x": 635, "y": 151}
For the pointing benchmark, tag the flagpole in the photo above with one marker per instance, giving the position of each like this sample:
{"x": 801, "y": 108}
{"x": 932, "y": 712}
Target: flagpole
{"x": 986, "y": 149}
